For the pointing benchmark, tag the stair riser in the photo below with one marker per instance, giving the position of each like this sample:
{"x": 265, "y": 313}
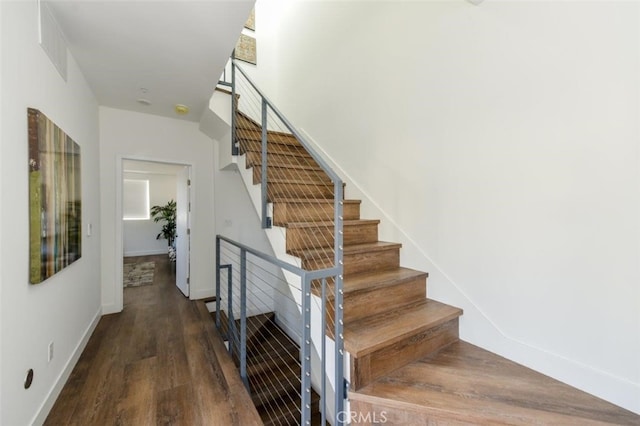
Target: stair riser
{"x": 246, "y": 145}
{"x": 374, "y": 365}
{"x": 253, "y": 159}
{"x": 316, "y": 237}
{"x": 379, "y": 260}
{"x": 281, "y": 190}
{"x": 311, "y": 176}
{"x": 284, "y": 213}
{"x": 380, "y": 300}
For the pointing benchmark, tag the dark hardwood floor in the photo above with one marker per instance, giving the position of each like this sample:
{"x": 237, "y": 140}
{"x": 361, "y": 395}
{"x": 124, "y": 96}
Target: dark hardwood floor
{"x": 159, "y": 362}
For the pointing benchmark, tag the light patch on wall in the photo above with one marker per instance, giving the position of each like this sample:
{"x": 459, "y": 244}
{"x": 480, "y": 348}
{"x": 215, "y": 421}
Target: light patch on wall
{"x": 135, "y": 199}
{"x": 246, "y": 49}
{"x": 51, "y": 39}
{"x": 251, "y": 20}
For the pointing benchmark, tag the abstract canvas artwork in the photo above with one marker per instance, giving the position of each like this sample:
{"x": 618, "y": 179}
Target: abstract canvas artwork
{"x": 54, "y": 198}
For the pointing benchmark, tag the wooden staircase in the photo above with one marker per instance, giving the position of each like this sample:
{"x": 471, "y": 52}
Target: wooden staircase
{"x": 389, "y": 323}
{"x": 273, "y": 371}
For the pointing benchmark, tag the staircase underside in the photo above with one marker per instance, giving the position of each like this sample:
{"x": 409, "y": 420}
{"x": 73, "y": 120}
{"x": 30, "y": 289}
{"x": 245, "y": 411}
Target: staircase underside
{"x": 464, "y": 384}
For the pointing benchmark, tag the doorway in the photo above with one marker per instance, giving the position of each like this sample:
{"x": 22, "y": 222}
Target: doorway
{"x": 145, "y": 184}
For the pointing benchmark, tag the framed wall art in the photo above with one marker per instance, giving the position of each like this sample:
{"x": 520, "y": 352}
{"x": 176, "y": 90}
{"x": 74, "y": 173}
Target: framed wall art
{"x": 55, "y": 205}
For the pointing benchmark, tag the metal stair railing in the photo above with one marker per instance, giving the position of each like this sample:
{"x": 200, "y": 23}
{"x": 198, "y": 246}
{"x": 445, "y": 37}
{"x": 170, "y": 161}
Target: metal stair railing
{"x": 291, "y": 171}
{"x": 248, "y": 278}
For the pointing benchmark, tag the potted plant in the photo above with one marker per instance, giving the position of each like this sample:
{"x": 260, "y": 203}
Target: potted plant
{"x": 166, "y": 214}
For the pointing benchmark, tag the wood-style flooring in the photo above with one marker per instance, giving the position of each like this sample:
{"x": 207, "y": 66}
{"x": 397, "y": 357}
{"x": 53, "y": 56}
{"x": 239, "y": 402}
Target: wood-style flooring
{"x": 464, "y": 384}
{"x": 159, "y": 362}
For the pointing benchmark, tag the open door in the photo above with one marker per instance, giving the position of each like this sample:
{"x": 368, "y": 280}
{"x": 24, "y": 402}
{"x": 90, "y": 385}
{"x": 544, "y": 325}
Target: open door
{"x": 183, "y": 201}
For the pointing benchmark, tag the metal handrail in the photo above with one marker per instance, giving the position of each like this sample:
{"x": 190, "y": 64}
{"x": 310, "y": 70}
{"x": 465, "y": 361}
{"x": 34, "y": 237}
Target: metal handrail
{"x": 303, "y": 141}
{"x": 314, "y": 275}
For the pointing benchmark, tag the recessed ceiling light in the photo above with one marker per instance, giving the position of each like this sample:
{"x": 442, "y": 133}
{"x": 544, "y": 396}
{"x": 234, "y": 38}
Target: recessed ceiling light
{"x": 181, "y": 109}
{"x": 145, "y": 102}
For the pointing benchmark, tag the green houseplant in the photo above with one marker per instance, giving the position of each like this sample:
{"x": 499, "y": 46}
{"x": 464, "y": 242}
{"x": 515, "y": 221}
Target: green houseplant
{"x": 166, "y": 214}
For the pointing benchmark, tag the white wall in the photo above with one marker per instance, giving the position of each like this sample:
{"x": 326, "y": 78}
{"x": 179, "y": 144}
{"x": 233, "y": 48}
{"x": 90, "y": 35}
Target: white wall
{"x": 502, "y": 150}
{"x": 147, "y": 137}
{"x": 1, "y": 202}
{"x": 65, "y": 308}
{"x": 140, "y": 235}
{"x": 237, "y": 219}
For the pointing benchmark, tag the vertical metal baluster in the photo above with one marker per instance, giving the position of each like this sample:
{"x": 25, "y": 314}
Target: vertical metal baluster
{"x": 229, "y": 285}
{"x": 243, "y": 318}
{"x": 231, "y": 325}
{"x": 266, "y": 223}
{"x": 218, "y": 283}
{"x": 324, "y": 352}
{"x": 305, "y": 395}
{"x": 337, "y": 300}
{"x": 234, "y": 106}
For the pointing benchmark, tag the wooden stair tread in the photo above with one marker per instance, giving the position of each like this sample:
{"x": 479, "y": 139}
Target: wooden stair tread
{"x": 301, "y": 182}
{"x": 265, "y": 362}
{"x": 312, "y": 200}
{"x": 310, "y": 167}
{"x": 467, "y": 384}
{"x": 274, "y": 384}
{"x": 372, "y": 280}
{"x": 272, "y": 148}
{"x": 329, "y": 224}
{"x": 257, "y": 125}
{"x": 251, "y": 133}
{"x": 272, "y": 346}
{"x": 351, "y": 249}
{"x": 254, "y": 159}
{"x": 369, "y": 334}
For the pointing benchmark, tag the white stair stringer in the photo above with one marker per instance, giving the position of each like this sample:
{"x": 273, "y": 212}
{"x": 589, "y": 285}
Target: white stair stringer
{"x": 277, "y": 239}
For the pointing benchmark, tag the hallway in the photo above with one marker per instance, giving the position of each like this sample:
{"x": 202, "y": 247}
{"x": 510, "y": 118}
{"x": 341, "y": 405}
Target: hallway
{"x": 160, "y": 361}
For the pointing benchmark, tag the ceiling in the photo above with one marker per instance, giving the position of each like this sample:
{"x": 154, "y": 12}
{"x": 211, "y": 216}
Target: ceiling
{"x": 166, "y": 52}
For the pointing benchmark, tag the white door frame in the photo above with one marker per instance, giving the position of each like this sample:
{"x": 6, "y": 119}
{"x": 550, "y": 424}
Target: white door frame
{"x": 119, "y": 240}
{"x": 182, "y": 243}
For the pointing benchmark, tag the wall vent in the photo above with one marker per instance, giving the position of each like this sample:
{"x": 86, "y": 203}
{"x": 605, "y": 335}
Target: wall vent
{"x": 51, "y": 39}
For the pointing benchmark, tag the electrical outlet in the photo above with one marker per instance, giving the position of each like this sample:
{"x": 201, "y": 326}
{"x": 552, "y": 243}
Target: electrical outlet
{"x": 50, "y": 352}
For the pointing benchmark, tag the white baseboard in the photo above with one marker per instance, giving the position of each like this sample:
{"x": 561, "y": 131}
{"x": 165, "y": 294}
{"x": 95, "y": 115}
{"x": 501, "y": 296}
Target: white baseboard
{"x": 144, "y": 252}
{"x": 111, "y": 308}
{"x": 47, "y": 405}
